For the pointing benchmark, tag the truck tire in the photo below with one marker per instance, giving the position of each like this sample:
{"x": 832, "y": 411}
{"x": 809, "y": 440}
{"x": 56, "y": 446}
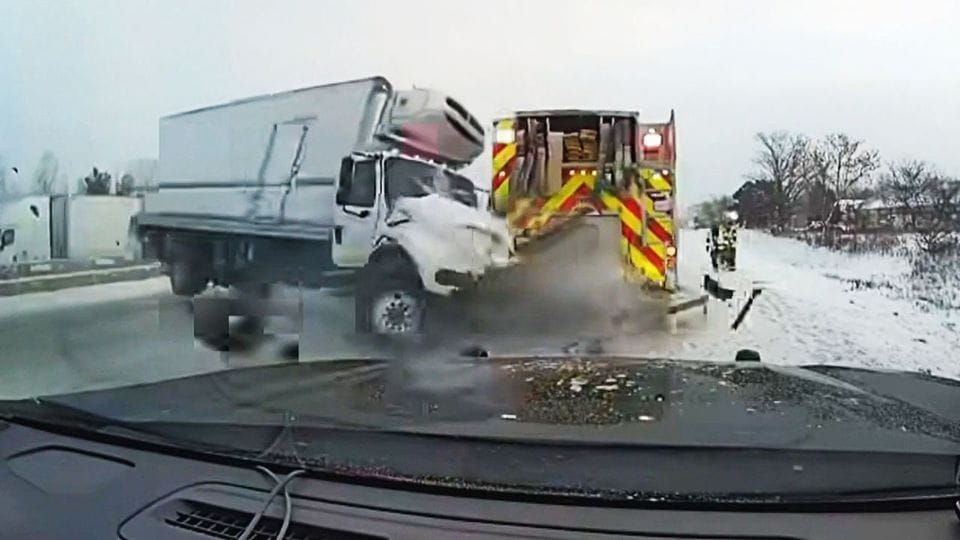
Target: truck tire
{"x": 185, "y": 280}
{"x": 389, "y": 297}
{"x": 397, "y": 307}
{"x": 187, "y": 268}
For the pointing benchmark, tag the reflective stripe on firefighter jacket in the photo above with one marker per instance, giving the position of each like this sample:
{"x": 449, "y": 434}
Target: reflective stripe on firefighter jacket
{"x": 728, "y": 237}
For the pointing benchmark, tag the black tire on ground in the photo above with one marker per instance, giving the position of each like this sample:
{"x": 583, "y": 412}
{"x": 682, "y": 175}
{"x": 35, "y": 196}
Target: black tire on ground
{"x": 187, "y": 268}
{"x": 211, "y": 322}
{"x": 185, "y": 280}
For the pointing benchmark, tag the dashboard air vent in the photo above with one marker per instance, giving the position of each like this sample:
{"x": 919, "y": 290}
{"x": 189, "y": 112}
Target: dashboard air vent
{"x": 225, "y": 523}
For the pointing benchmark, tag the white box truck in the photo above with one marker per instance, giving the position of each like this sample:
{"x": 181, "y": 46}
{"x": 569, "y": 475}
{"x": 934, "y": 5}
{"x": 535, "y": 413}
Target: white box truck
{"x": 352, "y": 179}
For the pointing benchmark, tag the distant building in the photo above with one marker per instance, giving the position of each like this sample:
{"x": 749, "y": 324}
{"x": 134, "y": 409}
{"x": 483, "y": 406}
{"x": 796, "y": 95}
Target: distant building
{"x": 881, "y": 214}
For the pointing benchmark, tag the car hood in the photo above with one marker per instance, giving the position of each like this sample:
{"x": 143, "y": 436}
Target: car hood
{"x": 583, "y": 400}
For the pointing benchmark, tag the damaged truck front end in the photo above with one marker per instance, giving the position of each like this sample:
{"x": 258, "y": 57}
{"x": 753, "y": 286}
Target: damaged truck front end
{"x": 431, "y": 239}
{"x": 454, "y": 244}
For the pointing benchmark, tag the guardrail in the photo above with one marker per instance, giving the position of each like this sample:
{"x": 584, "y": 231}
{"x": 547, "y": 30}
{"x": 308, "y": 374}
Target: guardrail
{"x": 52, "y": 275}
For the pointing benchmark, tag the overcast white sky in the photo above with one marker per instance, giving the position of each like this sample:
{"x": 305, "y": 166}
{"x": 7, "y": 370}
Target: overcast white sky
{"x": 88, "y": 79}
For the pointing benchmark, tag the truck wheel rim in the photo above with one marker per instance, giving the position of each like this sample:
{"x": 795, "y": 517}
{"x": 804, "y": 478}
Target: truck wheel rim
{"x": 396, "y": 312}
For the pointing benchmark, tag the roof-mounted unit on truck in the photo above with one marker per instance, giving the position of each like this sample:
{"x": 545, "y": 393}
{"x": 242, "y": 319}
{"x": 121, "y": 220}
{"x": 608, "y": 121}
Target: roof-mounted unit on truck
{"x": 552, "y": 165}
{"x": 433, "y": 125}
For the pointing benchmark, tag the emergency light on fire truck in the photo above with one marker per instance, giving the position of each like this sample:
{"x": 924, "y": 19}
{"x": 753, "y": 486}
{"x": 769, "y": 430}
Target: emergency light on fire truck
{"x": 652, "y": 139}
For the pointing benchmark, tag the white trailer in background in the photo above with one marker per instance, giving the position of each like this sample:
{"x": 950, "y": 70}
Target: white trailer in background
{"x": 309, "y": 186}
{"x": 25, "y": 229}
{"x": 76, "y": 227}
{"x": 92, "y": 226}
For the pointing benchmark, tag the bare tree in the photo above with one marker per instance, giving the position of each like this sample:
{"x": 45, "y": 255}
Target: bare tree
{"x": 783, "y": 162}
{"x": 841, "y": 164}
{"x": 941, "y": 216}
{"x": 907, "y": 185}
{"x": 97, "y": 183}
{"x": 127, "y": 185}
{"x": 46, "y": 175}
{"x": 710, "y": 212}
{"x": 755, "y": 203}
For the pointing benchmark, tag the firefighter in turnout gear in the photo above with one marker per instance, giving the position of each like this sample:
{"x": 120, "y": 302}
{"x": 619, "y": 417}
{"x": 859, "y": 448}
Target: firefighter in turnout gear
{"x": 722, "y": 243}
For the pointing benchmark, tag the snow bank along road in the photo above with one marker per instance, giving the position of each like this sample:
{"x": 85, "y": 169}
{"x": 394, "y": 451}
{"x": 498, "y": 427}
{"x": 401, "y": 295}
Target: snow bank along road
{"x": 811, "y": 311}
{"x": 132, "y": 332}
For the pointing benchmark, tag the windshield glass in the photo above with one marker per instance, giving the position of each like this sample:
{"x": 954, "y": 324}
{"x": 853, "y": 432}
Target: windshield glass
{"x": 405, "y": 178}
{"x": 687, "y": 224}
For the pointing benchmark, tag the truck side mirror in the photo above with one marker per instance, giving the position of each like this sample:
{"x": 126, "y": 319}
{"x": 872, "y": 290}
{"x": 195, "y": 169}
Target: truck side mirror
{"x": 7, "y": 238}
{"x": 346, "y": 181}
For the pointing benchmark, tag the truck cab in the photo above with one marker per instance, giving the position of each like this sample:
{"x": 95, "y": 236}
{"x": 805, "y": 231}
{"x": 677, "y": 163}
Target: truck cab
{"x": 410, "y": 226}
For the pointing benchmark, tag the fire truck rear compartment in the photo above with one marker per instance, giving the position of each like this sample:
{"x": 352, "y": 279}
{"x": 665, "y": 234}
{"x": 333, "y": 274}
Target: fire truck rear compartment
{"x": 552, "y": 147}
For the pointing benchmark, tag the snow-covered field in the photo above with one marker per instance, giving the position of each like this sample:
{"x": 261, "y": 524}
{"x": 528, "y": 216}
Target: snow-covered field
{"x": 814, "y": 308}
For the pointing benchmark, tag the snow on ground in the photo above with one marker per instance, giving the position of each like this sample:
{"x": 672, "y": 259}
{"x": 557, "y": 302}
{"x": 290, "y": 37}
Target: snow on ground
{"x": 813, "y": 310}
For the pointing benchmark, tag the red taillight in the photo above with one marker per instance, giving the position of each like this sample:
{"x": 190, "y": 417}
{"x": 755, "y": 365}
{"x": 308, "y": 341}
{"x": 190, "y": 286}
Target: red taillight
{"x": 652, "y": 140}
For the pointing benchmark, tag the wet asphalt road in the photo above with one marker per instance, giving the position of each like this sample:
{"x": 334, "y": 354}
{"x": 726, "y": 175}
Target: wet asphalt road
{"x": 541, "y": 307}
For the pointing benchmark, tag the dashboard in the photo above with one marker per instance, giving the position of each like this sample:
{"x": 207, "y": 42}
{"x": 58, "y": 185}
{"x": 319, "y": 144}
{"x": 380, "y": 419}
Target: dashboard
{"x": 60, "y": 485}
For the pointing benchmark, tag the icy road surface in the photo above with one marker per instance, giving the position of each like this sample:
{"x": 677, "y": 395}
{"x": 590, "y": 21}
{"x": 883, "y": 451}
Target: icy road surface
{"x": 810, "y": 311}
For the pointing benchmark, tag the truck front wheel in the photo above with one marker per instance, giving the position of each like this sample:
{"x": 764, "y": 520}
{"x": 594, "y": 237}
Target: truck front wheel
{"x": 396, "y": 307}
{"x": 389, "y": 298}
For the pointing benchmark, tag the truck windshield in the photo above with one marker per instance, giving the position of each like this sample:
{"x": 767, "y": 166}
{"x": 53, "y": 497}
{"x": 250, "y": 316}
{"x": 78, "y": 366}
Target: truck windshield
{"x": 406, "y": 178}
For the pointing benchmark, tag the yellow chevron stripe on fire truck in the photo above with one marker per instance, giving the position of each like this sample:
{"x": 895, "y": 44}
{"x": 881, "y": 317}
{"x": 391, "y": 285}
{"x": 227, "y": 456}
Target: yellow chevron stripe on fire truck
{"x": 660, "y": 220}
{"x": 642, "y": 242}
{"x": 610, "y": 201}
{"x": 638, "y": 263}
{"x": 503, "y": 157}
{"x": 554, "y": 203}
{"x": 504, "y": 154}
{"x": 646, "y": 266}
{"x": 531, "y": 214}
{"x": 502, "y": 191}
{"x": 656, "y": 180}
{"x": 630, "y": 218}
{"x": 631, "y": 227}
